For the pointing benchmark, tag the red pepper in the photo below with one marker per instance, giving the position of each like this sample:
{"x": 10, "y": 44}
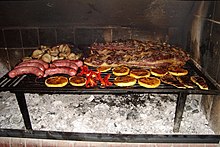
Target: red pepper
{"x": 84, "y": 70}
{"x": 90, "y": 82}
{"x": 89, "y": 73}
{"x": 106, "y": 80}
{"x": 99, "y": 78}
{"x": 92, "y": 77}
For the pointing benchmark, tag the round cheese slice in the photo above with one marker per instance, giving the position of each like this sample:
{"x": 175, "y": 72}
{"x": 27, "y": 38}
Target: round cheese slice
{"x": 56, "y": 81}
{"x": 124, "y": 81}
{"x": 158, "y": 72}
{"x": 139, "y": 73}
{"x": 103, "y": 68}
{"x": 177, "y": 71}
{"x": 120, "y": 71}
{"x": 149, "y": 82}
{"x": 77, "y": 81}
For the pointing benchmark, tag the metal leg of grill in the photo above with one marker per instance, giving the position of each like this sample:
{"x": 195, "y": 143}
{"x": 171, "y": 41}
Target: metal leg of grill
{"x": 181, "y": 99}
{"x": 24, "y": 110}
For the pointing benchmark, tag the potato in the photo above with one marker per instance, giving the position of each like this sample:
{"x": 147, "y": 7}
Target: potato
{"x": 72, "y": 56}
{"x": 61, "y": 48}
{"x": 62, "y": 55}
{"x": 37, "y": 54}
{"x": 54, "y": 51}
{"x": 53, "y": 58}
{"x": 67, "y": 50}
{"x": 61, "y": 58}
{"x": 46, "y": 58}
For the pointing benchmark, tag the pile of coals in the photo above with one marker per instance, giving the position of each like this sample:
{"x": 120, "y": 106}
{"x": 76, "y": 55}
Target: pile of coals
{"x": 126, "y": 114}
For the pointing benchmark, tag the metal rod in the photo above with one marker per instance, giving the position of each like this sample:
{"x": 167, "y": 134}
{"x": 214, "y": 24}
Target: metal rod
{"x": 181, "y": 99}
{"x": 105, "y": 137}
{"x": 24, "y": 110}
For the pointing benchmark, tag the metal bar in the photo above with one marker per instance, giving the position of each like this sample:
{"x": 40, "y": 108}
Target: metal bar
{"x": 181, "y": 99}
{"x": 8, "y": 80}
{"x": 105, "y": 137}
{"x": 3, "y": 81}
{"x": 24, "y": 110}
{"x": 17, "y": 82}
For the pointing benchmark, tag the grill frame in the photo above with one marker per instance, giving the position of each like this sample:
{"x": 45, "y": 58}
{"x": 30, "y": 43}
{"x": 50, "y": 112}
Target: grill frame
{"x": 31, "y": 84}
{"x": 103, "y": 137}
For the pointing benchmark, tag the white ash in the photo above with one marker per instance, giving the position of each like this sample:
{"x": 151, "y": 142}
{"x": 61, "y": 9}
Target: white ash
{"x": 126, "y": 114}
{"x": 3, "y": 69}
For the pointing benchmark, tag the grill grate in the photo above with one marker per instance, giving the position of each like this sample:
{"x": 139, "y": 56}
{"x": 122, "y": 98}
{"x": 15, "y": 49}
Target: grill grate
{"x": 32, "y": 84}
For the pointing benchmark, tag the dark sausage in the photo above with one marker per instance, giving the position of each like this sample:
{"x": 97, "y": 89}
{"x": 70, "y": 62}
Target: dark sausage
{"x": 26, "y": 70}
{"x": 59, "y": 70}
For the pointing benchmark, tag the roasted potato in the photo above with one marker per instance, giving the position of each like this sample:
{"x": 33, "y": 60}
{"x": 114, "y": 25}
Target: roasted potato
{"x": 47, "y": 58}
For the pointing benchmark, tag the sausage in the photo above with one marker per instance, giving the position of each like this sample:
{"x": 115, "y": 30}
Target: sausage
{"x": 59, "y": 70}
{"x": 64, "y": 64}
{"x": 46, "y": 65}
{"x": 34, "y": 64}
{"x": 79, "y": 63}
{"x": 26, "y": 70}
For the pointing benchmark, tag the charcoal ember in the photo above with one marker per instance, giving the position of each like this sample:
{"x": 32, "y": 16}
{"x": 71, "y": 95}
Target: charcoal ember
{"x": 104, "y": 99}
{"x": 193, "y": 103}
{"x": 132, "y": 115}
{"x": 91, "y": 98}
{"x": 188, "y": 108}
{"x": 195, "y": 111}
{"x": 15, "y": 119}
{"x": 57, "y": 103}
{"x": 166, "y": 98}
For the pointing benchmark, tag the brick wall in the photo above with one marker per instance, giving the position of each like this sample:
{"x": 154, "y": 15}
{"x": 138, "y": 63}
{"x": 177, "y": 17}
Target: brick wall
{"x": 16, "y": 43}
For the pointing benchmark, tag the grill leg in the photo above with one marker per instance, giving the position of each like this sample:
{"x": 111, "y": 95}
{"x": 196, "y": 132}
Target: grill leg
{"x": 181, "y": 99}
{"x": 24, "y": 111}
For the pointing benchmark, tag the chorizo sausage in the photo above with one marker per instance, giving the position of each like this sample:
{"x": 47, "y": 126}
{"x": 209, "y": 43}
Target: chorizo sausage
{"x": 64, "y": 64}
{"x": 26, "y": 70}
{"x": 46, "y": 65}
{"x": 59, "y": 70}
{"x": 34, "y": 64}
{"x": 79, "y": 63}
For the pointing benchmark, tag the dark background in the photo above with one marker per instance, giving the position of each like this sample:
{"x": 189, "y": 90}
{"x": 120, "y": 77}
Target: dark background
{"x": 58, "y": 21}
